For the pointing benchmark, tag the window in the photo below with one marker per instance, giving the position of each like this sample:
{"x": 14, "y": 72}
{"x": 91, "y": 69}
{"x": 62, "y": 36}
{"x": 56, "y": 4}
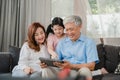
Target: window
{"x": 106, "y": 18}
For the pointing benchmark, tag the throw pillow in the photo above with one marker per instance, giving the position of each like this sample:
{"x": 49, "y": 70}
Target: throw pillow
{"x": 14, "y": 51}
{"x": 112, "y": 57}
{"x": 117, "y": 70}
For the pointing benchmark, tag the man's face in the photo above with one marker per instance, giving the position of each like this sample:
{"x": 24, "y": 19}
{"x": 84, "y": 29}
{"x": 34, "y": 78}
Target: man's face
{"x": 72, "y": 31}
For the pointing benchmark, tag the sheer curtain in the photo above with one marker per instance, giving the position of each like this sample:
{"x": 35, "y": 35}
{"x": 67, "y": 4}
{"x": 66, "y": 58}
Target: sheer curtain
{"x": 16, "y": 15}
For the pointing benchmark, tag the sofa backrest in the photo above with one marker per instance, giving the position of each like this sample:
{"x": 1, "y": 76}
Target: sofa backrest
{"x": 112, "y": 41}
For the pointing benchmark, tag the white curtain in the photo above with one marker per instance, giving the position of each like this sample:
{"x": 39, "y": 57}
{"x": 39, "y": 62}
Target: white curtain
{"x": 16, "y": 15}
{"x": 80, "y": 9}
{"x": 62, "y": 8}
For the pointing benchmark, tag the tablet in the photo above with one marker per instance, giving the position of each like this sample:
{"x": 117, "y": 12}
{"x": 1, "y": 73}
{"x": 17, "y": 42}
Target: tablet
{"x": 49, "y": 62}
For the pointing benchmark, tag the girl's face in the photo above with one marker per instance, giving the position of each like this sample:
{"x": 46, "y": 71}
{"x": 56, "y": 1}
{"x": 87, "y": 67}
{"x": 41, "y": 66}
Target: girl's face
{"x": 58, "y": 30}
{"x": 39, "y": 36}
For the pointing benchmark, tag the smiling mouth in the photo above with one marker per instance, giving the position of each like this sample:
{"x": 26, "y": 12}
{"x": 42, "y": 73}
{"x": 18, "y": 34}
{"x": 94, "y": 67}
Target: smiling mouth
{"x": 71, "y": 36}
{"x": 41, "y": 39}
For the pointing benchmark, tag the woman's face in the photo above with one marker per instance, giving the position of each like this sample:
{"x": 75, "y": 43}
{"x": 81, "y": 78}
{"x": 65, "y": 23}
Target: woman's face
{"x": 58, "y": 30}
{"x": 39, "y": 35}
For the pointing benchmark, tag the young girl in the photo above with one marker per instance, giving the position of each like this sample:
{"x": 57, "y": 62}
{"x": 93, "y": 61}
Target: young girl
{"x": 55, "y": 32}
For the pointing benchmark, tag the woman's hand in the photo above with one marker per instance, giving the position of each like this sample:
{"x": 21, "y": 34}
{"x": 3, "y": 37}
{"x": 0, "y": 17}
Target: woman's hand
{"x": 43, "y": 65}
{"x": 27, "y": 70}
{"x": 31, "y": 70}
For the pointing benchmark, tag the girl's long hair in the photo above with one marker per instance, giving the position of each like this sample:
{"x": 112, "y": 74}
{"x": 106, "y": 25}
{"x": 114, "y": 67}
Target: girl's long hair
{"x": 55, "y": 21}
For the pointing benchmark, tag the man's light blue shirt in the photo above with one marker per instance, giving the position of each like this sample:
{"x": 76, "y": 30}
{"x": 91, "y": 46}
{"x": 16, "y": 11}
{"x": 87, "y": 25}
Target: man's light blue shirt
{"x": 82, "y": 50}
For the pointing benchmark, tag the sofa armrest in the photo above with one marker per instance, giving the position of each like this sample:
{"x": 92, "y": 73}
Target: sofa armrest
{"x": 14, "y": 52}
{"x": 5, "y": 62}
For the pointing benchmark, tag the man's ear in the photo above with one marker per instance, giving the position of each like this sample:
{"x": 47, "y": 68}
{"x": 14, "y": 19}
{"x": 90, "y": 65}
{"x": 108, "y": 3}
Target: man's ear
{"x": 79, "y": 27}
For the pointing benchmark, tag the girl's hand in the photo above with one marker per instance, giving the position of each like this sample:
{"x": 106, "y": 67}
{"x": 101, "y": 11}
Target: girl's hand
{"x": 54, "y": 56}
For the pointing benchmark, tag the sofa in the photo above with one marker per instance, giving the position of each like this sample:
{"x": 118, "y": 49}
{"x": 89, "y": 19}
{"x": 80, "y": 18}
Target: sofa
{"x": 109, "y": 58}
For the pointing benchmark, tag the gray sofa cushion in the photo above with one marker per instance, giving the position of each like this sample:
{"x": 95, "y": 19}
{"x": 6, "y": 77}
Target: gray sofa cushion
{"x": 111, "y": 77}
{"x": 8, "y": 76}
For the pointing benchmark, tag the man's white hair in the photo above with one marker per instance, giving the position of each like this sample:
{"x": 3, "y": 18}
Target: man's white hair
{"x": 76, "y": 19}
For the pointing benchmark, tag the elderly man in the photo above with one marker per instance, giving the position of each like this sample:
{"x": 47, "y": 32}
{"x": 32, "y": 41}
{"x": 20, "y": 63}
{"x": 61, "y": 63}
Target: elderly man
{"x": 78, "y": 52}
